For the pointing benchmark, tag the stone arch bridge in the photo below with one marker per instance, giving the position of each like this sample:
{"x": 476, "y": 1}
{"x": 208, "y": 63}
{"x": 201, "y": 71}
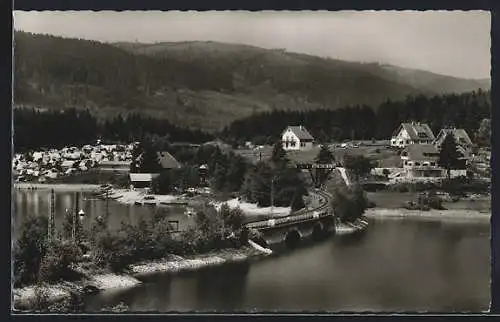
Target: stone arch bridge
{"x": 307, "y": 223}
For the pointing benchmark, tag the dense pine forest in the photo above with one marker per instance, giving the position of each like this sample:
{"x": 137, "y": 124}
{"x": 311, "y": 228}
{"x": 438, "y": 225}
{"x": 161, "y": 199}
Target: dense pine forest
{"x": 365, "y": 122}
{"x": 35, "y": 129}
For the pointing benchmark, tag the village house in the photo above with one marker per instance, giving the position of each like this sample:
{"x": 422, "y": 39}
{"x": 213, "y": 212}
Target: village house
{"x": 167, "y": 161}
{"x": 297, "y": 138}
{"x": 412, "y": 133}
{"x": 421, "y": 161}
{"x": 145, "y": 180}
{"x": 114, "y": 166}
{"x": 462, "y": 139}
{"x": 142, "y": 180}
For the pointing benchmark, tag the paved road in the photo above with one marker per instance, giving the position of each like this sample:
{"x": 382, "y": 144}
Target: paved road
{"x": 321, "y": 210}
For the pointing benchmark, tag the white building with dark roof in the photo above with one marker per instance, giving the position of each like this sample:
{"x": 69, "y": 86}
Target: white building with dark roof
{"x": 421, "y": 161}
{"x": 462, "y": 139}
{"x": 167, "y": 161}
{"x": 412, "y": 133}
{"x": 297, "y": 138}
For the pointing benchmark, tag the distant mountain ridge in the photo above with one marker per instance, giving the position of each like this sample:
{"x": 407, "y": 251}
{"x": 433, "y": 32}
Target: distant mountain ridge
{"x": 204, "y": 85}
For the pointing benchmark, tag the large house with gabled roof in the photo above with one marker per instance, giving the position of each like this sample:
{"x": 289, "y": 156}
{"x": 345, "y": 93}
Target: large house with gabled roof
{"x": 412, "y": 133}
{"x": 421, "y": 161}
{"x": 462, "y": 139}
{"x": 297, "y": 138}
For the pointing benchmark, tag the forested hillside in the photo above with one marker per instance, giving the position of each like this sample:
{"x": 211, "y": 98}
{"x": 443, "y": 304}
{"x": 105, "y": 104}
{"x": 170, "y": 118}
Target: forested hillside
{"x": 55, "y": 129}
{"x": 363, "y": 122}
{"x": 201, "y": 85}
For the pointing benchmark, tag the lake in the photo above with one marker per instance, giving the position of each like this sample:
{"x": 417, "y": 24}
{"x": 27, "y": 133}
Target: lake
{"x": 37, "y": 202}
{"x": 398, "y": 265}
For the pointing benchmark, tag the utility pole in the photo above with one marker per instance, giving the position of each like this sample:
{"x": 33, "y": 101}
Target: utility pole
{"x": 272, "y": 197}
{"x": 51, "y": 229}
{"x": 75, "y": 213}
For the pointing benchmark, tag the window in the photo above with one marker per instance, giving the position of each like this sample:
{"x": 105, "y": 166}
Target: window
{"x": 433, "y": 164}
{"x": 406, "y": 162}
{"x": 417, "y": 164}
{"x": 407, "y": 141}
{"x": 302, "y": 144}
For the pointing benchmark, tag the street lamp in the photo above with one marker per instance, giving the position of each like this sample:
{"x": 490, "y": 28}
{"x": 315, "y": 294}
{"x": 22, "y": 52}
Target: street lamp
{"x": 81, "y": 213}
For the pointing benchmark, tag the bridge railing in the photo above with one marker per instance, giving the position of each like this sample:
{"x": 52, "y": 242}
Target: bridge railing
{"x": 301, "y": 215}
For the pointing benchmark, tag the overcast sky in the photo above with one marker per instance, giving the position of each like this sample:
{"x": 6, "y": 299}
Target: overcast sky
{"x": 455, "y": 43}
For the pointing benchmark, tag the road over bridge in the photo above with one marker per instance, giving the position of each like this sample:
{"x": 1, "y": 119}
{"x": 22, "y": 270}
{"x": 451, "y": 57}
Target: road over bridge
{"x": 305, "y": 223}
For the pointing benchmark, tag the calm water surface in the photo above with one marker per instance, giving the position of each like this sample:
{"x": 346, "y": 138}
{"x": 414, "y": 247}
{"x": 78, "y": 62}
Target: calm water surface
{"x": 37, "y": 202}
{"x": 398, "y": 265}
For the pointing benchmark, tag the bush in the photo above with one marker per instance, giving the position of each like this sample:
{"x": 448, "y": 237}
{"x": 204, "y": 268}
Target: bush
{"x": 29, "y": 250}
{"x": 73, "y": 304}
{"x": 56, "y": 264}
{"x": 431, "y": 200}
{"x": 349, "y": 204}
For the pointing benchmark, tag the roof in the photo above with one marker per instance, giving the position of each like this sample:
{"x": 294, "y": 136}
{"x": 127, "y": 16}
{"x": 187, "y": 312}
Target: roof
{"x": 421, "y": 152}
{"x": 142, "y": 177}
{"x": 167, "y": 161}
{"x": 301, "y": 132}
{"x": 114, "y": 163}
{"x": 414, "y": 129}
{"x": 459, "y": 134}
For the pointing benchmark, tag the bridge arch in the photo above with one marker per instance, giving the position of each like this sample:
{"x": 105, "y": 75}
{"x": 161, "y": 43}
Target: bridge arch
{"x": 292, "y": 238}
{"x": 319, "y": 231}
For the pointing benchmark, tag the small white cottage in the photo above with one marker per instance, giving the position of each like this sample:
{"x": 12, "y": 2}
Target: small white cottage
{"x": 297, "y": 138}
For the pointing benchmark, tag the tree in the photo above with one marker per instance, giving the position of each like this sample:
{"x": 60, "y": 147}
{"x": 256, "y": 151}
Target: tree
{"x": 257, "y": 184}
{"x": 278, "y": 156}
{"x": 55, "y": 265}
{"x": 483, "y": 135}
{"x": 29, "y": 250}
{"x": 449, "y": 156}
{"x": 68, "y": 227}
{"x": 349, "y": 204}
{"x": 150, "y": 162}
{"x": 167, "y": 180}
{"x": 325, "y": 156}
{"x": 233, "y": 218}
{"x": 359, "y": 165}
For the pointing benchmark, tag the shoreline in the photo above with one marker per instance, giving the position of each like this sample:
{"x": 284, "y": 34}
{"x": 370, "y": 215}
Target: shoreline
{"x": 460, "y": 215}
{"x": 172, "y": 264}
{"x": 70, "y": 187}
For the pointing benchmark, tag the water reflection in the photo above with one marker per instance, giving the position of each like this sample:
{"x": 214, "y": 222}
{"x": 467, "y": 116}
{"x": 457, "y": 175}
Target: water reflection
{"x": 396, "y": 266}
{"x": 38, "y": 203}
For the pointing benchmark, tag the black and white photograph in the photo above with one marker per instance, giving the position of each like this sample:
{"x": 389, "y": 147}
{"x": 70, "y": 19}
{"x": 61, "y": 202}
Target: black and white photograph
{"x": 251, "y": 162}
